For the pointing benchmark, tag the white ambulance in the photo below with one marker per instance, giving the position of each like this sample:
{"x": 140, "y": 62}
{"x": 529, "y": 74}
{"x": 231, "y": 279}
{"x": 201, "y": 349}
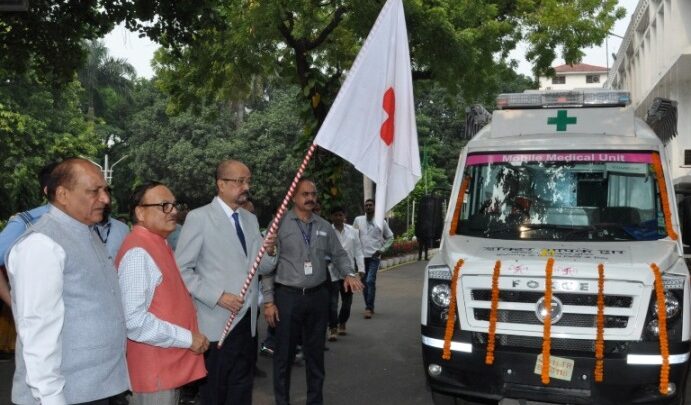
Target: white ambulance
{"x": 561, "y": 243}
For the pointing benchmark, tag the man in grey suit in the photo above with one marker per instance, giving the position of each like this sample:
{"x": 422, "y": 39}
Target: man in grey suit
{"x": 215, "y": 251}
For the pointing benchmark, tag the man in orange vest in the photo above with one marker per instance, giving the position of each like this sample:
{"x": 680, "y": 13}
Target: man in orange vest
{"x": 164, "y": 344}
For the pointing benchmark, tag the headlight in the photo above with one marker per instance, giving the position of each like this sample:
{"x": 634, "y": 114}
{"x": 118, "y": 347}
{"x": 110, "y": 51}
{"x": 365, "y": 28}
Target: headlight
{"x": 672, "y": 306}
{"x": 441, "y": 295}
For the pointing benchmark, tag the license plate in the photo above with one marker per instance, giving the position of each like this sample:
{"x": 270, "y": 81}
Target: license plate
{"x": 560, "y": 368}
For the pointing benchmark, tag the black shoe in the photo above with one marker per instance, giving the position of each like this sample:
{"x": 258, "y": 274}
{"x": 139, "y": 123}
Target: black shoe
{"x": 266, "y": 351}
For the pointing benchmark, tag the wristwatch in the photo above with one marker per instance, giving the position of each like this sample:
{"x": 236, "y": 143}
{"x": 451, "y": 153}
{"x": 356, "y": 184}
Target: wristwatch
{"x": 353, "y": 275}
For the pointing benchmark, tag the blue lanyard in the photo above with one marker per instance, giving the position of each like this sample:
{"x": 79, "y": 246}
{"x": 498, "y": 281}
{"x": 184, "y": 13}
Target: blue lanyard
{"x": 107, "y": 231}
{"x": 306, "y": 236}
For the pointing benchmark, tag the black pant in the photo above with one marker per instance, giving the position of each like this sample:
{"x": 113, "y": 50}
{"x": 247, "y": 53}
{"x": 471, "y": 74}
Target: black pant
{"x": 230, "y": 368}
{"x": 423, "y": 244}
{"x": 303, "y": 316}
{"x": 336, "y": 317}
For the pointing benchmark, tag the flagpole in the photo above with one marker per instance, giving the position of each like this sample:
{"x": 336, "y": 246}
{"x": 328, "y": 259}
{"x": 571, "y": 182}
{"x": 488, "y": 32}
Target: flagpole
{"x": 272, "y": 231}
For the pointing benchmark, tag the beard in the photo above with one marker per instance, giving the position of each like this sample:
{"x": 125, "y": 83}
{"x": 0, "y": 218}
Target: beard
{"x": 242, "y": 198}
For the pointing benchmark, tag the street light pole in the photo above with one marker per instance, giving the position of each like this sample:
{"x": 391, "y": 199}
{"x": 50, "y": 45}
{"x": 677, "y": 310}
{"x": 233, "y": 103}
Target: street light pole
{"x": 607, "y": 46}
{"x": 106, "y": 168}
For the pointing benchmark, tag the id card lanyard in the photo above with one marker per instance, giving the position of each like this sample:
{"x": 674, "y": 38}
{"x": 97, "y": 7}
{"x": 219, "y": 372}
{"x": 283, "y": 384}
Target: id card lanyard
{"x": 307, "y": 238}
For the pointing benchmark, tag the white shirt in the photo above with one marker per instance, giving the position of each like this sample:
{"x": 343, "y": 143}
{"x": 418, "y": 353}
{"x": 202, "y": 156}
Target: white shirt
{"x": 229, "y": 211}
{"x": 350, "y": 240}
{"x": 371, "y": 236}
{"x": 139, "y": 276}
{"x": 39, "y": 313}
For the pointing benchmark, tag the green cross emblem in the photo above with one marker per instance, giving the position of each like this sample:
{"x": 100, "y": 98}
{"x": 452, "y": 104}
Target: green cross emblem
{"x": 561, "y": 120}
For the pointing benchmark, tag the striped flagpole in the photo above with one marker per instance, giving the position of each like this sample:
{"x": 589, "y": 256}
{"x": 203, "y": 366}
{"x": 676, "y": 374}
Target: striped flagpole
{"x": 272, "y": 231}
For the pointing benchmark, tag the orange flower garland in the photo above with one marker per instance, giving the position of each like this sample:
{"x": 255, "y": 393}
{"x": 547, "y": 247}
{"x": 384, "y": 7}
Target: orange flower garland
{"x": 489, "y": 357}
{"x": 459, "y": 205}
{"x": 451, "y": 320}
{"x": 600, "y": 339}
{"x": 662, "y": 323}
{"x": 662, "y": 186}
{"x": 547, "y": 329}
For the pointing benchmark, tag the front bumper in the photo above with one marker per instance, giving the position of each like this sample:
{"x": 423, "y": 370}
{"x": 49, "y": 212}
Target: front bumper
{"x": 628, "y": 379}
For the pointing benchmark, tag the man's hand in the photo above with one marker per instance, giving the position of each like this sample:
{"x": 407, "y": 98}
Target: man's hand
{"x": 271, "y": 314}
{"x": 270, "y": 244}
{"x": 231, "y": 302}
{"x": 199, "y": 343}
{"x": 377, "y": 254}
{"x": 352, "y": 284}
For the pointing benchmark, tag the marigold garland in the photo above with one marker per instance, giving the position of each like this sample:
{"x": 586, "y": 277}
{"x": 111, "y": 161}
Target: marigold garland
{"x": 459, "y": 206}
{"x": 547, "y": 328}
{"x": 662, "y": 186}
{"x": 662, "y": 324}
{"x": 600, "y": 339}
{"x": 489, "y": 357}
{"x": 451, "y": 320}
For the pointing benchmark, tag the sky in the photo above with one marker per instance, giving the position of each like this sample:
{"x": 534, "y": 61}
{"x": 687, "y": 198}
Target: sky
{"x": 139, "y": 51}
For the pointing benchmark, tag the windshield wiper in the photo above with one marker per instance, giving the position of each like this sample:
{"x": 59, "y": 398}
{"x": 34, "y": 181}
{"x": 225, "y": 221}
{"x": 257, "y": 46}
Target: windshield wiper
{"x": 604, "y": 231}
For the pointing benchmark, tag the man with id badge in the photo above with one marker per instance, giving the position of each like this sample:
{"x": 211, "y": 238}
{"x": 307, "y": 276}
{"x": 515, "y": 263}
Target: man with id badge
{"x": 300, "y": 293}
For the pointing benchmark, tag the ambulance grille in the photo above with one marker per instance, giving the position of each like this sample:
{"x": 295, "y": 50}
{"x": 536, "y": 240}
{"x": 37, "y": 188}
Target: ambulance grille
{"x": 589, "y": 300}
{"x": 612, "y": 348}
{"x": 568, "y": 319}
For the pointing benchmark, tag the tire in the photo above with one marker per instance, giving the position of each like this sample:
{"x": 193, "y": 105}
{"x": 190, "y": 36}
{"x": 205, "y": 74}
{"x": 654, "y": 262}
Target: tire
{"x": 443, "y": 399}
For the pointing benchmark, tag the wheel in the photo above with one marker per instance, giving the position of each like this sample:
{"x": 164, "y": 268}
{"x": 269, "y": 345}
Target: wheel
{"x": 444, "y": 399}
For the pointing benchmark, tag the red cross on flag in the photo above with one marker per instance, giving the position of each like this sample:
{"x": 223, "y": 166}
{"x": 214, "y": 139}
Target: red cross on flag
{"x": 371, "y": 123}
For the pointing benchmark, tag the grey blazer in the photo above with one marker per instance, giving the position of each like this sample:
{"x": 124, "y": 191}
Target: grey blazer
{"x": 212, "y": 261}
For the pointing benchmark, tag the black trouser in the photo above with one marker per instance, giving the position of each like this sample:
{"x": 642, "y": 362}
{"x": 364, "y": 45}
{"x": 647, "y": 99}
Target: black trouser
{"x": 302, "y": 316}
{"x": 423, "y": 244}
{"x": 230, "y": 368}
{"x": 336, "y": 317}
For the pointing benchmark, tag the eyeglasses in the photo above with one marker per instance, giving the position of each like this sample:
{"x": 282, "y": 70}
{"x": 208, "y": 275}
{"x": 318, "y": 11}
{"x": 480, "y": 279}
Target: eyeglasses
{"x": 241, "y": 181}
{"x": 166, "y": 207}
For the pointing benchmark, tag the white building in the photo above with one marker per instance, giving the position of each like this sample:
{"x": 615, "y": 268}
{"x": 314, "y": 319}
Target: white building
{"x": 654, "y": 60}
{"x": 576, "y": 76}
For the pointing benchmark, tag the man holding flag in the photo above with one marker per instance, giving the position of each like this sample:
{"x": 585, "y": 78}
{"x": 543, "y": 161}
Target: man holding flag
{"x": 371, "y": 124}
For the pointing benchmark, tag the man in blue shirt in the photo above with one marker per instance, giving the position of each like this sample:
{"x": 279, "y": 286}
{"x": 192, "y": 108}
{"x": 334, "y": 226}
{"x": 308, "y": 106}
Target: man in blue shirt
{"x": 17, "y": 225}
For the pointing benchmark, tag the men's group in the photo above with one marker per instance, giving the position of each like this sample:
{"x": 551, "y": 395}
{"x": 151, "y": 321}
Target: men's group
{"x": 101, "y": 310}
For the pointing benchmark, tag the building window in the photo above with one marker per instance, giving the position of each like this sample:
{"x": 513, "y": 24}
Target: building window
{"x": 592, "y": 78}
{"x": 559, "y": 80}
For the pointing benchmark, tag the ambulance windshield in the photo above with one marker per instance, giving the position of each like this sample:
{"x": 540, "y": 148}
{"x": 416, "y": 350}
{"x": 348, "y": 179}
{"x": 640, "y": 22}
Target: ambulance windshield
{"x": 570, "y": 196}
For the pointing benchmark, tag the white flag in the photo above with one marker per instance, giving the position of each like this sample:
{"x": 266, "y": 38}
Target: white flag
{"x": 371, "y": 123}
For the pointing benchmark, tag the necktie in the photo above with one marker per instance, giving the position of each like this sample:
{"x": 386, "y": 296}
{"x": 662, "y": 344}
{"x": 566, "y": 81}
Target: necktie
{"x": 238, "y": 229}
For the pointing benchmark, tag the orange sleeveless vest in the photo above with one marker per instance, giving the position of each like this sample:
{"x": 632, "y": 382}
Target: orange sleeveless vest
{"x": 153, "y": 368}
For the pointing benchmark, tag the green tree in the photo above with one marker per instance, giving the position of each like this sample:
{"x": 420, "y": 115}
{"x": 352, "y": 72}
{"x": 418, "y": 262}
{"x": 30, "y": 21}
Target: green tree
{"x": 183, "y": 149}
{"x": 460, "y": 44}
{"x": 101, "y": 73}
{"x": 48, "y": 38}
{"x": 38, "y": 124}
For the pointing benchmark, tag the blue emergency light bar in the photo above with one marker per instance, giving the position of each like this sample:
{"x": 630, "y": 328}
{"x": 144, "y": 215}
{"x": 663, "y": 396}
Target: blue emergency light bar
{"x": 562, "y": 99}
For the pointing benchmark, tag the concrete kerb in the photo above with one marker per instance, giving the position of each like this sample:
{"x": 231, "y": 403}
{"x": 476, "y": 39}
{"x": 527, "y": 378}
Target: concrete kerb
{"x": 386, "y": 263}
